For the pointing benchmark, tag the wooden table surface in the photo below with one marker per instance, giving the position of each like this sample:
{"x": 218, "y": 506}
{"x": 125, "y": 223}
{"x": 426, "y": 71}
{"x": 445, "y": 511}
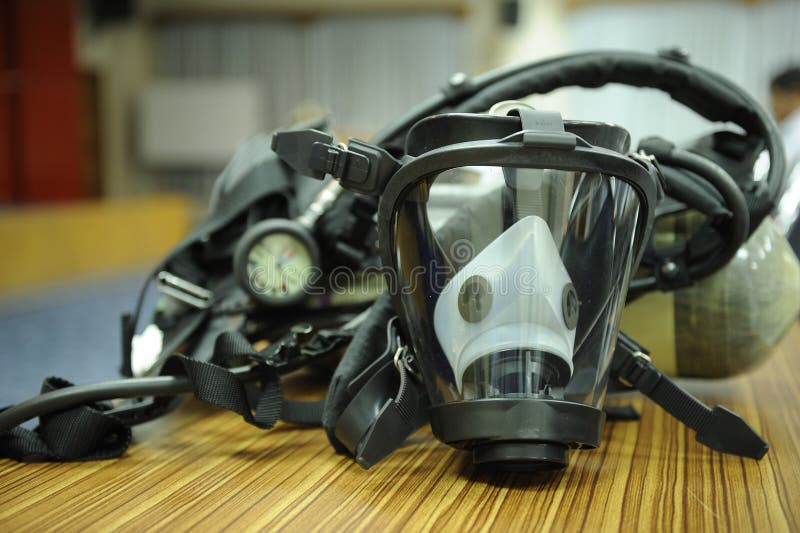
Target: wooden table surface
{"x": 201, "y": 468}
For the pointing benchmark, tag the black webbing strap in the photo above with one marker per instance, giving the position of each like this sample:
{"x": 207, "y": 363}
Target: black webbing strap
{"x": 719, "y": 428}
{"x": 303, "y": 413}
{"x": 235, "y": 346}
{"x": 93, "y": 432}
{"x": 82, "y": 433}
{"x": 218, "y": 386}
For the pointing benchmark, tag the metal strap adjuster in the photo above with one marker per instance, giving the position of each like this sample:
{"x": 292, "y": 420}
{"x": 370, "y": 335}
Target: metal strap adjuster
{"x": 184, "y": 291}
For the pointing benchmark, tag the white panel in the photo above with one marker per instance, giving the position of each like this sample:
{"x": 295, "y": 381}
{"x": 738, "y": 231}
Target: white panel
{"x": 365, "y": 69}
{"x": 370, "y": 69}
{"x": 196, "y": 123}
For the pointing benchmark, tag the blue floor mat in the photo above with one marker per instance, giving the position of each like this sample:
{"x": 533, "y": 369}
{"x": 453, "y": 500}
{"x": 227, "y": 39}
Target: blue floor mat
{"x": 73, "y": 333}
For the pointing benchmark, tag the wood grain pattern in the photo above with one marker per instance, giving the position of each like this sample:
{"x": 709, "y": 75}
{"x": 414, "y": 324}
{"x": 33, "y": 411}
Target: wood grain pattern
{"x": 204, "y": 469}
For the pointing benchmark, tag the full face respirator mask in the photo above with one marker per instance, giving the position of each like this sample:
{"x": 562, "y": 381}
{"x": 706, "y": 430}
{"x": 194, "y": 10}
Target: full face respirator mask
{"x": 513, "y": 309}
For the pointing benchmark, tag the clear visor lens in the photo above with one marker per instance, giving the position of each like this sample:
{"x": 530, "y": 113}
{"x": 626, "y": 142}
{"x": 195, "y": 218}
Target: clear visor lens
{"x": 512, "y": 280}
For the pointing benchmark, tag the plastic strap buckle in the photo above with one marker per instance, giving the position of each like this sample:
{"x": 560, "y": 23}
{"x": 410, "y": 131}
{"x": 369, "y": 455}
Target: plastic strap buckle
{"x": 637, "y": 371}
{"x": 339, "y": 162}
{"x": 359, "y": 166}
{"x": 301, "y": 346}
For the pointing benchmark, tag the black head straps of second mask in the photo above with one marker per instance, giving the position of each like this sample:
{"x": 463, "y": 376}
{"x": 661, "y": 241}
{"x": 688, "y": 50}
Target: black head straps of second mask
{"x": 692, "y": 180}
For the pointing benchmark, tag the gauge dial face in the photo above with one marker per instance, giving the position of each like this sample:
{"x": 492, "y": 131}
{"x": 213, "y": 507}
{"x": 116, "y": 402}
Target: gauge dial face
{"x": 279, "y": 267}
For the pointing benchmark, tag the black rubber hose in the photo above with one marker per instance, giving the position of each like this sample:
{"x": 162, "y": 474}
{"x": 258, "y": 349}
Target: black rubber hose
{"x": 60, "y": 399}
{"x": 736, "y": 231}
{"x": 454, "y": 95}
{"x": 518, "y": 81}
{"x": 528, "y": 79}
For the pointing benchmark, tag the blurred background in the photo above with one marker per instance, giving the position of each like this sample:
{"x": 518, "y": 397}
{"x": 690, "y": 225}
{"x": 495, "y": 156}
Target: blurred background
{"x": 117, "y": 115}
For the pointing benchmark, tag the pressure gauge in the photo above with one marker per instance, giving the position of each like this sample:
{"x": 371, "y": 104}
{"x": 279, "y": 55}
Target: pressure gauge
{"x": 275, "y": 261}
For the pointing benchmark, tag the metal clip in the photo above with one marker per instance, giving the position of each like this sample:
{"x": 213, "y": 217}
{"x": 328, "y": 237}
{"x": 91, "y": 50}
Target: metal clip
{"x": 184, "y": 291}
{"x": 397, "y": 355}
{"x": 405, "y": 357}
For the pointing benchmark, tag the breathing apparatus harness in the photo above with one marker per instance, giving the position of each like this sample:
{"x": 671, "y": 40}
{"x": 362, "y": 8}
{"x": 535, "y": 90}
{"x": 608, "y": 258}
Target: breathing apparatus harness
{"x": 733, "y": 207}
{"x": 202, "y": 296}
{"x": 374, "y": 403}
{"x": 210, "y": 321}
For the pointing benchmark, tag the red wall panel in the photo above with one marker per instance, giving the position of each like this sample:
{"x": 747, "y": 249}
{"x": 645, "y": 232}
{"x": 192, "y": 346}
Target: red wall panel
{"x": 45, "y": 103}
{"x": 6, "y": 188}
{"x": 6, "y": 165}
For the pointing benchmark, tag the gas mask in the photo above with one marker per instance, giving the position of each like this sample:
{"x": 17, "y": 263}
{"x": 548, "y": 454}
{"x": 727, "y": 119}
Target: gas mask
{"x": 511, "y": 301}
{"x": 513, "y": 315}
